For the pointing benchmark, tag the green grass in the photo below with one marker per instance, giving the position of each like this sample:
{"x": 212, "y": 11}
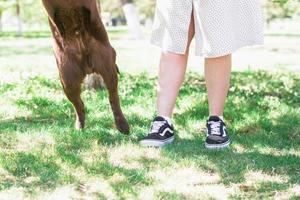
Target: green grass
{"x": 41, "y": 154}
{"x": 27, "y": 34}
{"x": 114, "y": 32}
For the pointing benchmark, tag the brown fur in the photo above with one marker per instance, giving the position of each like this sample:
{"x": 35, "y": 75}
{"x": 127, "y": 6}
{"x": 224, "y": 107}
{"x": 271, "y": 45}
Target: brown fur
{"x": 81, "y": 47}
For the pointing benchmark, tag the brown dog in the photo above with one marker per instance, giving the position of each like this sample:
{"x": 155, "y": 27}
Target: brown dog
{"x": 81, "y": 47}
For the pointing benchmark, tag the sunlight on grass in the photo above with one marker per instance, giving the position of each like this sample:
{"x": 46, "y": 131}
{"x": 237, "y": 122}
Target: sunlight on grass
{"x": 258, "y": 176}
{"x": 260, "y": 185}
{"x": 291, "y": 193}
{"x": 32, "y": 142}
{"x": 43, "y": 157}
{"x": 189, "y": 182}
{"x": 131, "y": 157}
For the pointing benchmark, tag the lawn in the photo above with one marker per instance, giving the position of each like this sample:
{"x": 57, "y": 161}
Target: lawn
{"x": 43, "y": 157}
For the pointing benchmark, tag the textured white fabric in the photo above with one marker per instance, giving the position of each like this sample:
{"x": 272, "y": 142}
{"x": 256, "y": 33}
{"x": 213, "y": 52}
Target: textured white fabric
{"x": 221, "y": 26}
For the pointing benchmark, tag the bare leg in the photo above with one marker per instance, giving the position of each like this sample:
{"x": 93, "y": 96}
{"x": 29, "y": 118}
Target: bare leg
{"x": 217, "y": 73}
{"x": 171, "y": 75}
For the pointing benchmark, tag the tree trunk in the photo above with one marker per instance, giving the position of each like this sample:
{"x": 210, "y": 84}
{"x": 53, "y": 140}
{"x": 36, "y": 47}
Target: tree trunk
{"x": 98, "y": 6}
{"x": 1, "y": 21}
{"x": 132, "y": 19}
{"x": 18, "y": 13}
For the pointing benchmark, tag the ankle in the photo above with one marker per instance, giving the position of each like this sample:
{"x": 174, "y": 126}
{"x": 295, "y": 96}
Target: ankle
{"x": 168, "y": 119}
{"x": 220, "y": 116}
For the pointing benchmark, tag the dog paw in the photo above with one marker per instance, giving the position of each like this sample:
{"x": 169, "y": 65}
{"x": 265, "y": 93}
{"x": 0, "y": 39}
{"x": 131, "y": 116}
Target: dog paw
{"x": 123, "y": 126}
{"x": 79, "y": 125}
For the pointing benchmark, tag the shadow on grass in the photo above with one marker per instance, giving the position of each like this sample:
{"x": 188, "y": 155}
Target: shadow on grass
{"x": 262, "y": 190}
{"x": 232, "y": 165}
{"x": 132, "y": 177}
{"x": 253, "y": 126}
{"x": 253, "y": 100}
{"x": 43, "y": 172}
{"x": 261, "y": 151}
{"x": 45, "y": 114}
{"x": 57, "y": 117}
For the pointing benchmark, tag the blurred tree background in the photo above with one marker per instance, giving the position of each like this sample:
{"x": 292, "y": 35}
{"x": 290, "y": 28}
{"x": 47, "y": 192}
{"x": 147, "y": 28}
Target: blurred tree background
{"x": 281, "y": 9}
{"x": 42, "y": 156}
{"x": 20, "y": 15}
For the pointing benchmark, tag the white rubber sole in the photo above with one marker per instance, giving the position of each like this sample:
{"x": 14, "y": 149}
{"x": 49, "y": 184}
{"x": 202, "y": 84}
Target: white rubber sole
{"x": 217, "y": 146}
{"x": 155, "y": 143}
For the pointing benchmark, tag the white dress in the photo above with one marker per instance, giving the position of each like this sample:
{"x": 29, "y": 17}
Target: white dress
{"x": 221, "y": 26}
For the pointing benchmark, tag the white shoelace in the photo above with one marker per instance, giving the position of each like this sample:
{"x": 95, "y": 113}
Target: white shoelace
{"x": 215, "y": 128}
{"x": 156, "y": 126}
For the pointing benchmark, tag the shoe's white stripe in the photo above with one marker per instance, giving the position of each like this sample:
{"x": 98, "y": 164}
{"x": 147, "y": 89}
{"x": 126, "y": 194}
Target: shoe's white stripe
{"x": 224, "y": 131}
{"x": 165, "y": 131}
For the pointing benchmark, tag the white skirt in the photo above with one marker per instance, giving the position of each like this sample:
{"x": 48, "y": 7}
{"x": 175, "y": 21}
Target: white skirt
{"x": 221, "y": 26}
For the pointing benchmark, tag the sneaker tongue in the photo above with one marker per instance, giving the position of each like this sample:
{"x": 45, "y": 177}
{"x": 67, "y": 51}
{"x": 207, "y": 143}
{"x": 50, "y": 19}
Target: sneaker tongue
{"x": 159, "y": 119}
{"x": 214, "y": 118}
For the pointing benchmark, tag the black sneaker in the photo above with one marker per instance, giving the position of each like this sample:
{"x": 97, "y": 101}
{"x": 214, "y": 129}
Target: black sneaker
{"x": 217, "y": 136}
{"x": 161, "y": 134}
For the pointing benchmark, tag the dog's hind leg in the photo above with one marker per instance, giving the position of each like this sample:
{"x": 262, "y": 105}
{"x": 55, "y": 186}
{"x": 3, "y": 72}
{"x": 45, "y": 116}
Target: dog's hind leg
{"x": 71, "y": 79}
{"x": 110, "y": 78}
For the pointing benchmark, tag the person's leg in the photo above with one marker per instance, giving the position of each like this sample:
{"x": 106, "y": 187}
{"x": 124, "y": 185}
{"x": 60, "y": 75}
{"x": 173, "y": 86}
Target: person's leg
{"x": 171, "y": 76}
{"x": 217, "y": 74}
